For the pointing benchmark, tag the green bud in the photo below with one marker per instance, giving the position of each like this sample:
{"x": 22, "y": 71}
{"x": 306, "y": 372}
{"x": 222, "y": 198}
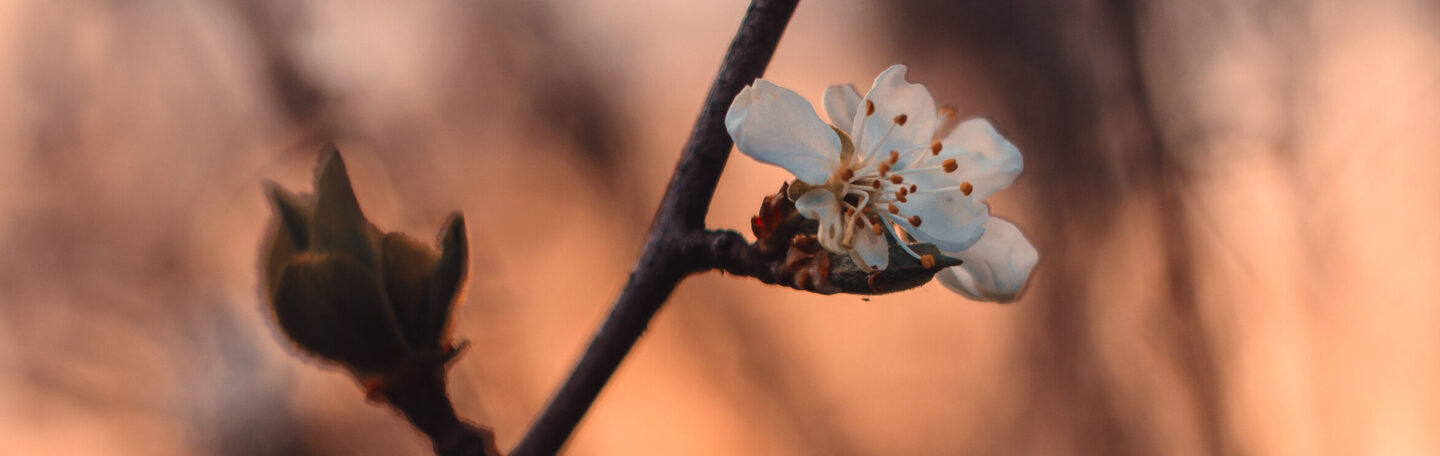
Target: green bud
{"x": 342, "y": 290}
{"x": 422, "y": 285}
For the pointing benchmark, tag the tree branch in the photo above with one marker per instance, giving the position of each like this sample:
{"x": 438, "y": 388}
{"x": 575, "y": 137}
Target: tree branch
{"x": 682, "y": 213}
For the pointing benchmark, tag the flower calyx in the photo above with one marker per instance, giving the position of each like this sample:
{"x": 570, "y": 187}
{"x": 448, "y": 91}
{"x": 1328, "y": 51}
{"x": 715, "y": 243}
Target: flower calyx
{"x": 797, "y": 259}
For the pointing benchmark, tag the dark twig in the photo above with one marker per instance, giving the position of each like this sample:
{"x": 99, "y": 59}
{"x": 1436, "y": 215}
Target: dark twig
{"x": 681, "y": 214}
{"x": 423, "y": 401}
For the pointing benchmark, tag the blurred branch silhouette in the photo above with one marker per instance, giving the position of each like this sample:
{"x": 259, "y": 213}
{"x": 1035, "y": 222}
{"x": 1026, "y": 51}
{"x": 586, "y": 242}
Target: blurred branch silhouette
{"x": 272, "y": 27}
{"x": 1094, "y": 131}
{"x": 680, "y": 217}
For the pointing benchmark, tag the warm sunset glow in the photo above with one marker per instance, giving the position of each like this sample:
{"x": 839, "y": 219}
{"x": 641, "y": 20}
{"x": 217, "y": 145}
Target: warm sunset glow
{"x": 1237, "y": 209}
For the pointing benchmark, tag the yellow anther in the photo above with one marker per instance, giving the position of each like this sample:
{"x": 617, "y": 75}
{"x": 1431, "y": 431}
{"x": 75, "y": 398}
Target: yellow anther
{"x": 927, "y": 260}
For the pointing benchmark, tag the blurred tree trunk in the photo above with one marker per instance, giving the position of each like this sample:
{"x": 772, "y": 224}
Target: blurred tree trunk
{"x": 1083, "y": 117}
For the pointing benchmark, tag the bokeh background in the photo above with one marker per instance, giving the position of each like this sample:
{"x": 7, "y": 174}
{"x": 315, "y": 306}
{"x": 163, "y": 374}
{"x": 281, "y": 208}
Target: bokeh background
{"x": 1237, "y": 206}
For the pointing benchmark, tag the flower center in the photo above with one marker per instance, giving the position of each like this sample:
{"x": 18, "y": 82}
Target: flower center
{"x": 869, "y": 185}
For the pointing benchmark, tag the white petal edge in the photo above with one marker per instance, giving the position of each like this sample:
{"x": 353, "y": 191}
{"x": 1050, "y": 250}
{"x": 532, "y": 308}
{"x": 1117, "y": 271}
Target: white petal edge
{"x": 777, "y": 126}
{"x": 996, "y": 268}
{"x": 986, "y": 159}
{"x": 841, "y": 101}
{"x": 892, "y": 95}
{"x": 871, "y": 250}
{"x": 820, "y": 205}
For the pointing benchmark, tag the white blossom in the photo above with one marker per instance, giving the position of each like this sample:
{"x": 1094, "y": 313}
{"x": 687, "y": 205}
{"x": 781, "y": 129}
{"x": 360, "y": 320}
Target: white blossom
{"x": 888, "y": 165}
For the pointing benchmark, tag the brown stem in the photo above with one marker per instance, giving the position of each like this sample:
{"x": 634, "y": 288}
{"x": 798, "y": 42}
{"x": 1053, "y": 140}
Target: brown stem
{"x": 423, "y": 401}
{"x": 682, "y": 213}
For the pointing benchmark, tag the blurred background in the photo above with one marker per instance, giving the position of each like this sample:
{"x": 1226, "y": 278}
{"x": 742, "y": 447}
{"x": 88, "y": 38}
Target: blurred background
{"x": 1237, "y": 206}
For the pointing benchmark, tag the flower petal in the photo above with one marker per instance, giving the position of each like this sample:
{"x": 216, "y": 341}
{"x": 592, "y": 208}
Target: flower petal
{"x": 841, "y": 101}
{"x": 996, "y": 268}
{"x": 986, "y": 159}
{"x": 948, "y": 219}
{"x": 870, "y": 249}
{"x": 892, "y": 97}
{"x": 821, "y": 205}
{"x": 775, "y": 125}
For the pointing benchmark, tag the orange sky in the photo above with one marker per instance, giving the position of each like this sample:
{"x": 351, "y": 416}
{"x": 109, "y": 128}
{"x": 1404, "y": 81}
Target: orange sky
{"x": 1263, "y": 282}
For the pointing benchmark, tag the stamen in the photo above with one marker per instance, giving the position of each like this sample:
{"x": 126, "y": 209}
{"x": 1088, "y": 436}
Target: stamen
{"x": 913, "y": 189}
{"x": 896, "y": 179}
{"x": 927, "y": 260}
{"x": 900, "y": 197}
{"x": 915, "y": 153}
{"x": 925, "y": 169}
{"x": 884, "y": 169}
{"x": 935, "y": 147}
{"x": 949, "y": 165}
{"x": 863, "y": 194}
{"x": 857, "y": 135}
{"x": 875, "y": 183}
{"x": 900, "y": 120}
{"x": 848, "y": 240}
{"x": 847, "y": 174}
{"x": 901, "y": 240}
{"x": 865, "y": 210}
{"x": 893, "y": 208}
{"x": 915, "y": 221}
{"x": 894, "y": 157}
{"x": 966, "y": 188}
{"x": 872, "y": 150}
{"x": 929, "y": 191}
{"x": 875, "y": 227}
{"x": 904, "y": 191}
